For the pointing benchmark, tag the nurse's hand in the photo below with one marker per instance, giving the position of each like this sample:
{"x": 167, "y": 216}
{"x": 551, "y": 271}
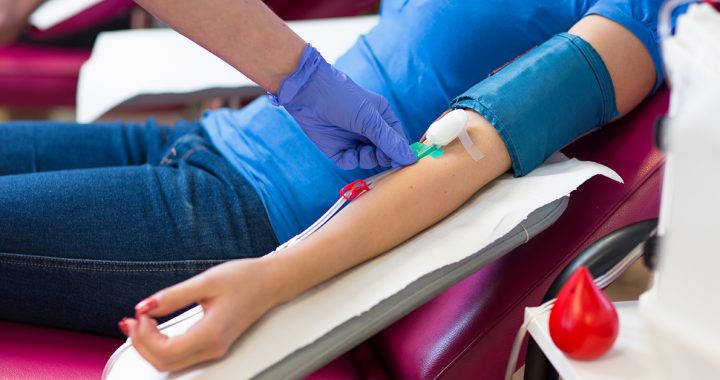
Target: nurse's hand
{"x": 233, "y": 296}
{"x": 352, "y": 126}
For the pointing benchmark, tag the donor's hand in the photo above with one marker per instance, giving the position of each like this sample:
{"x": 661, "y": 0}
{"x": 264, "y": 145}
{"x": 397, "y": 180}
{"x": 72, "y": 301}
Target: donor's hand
{"x": 233, "y": 296}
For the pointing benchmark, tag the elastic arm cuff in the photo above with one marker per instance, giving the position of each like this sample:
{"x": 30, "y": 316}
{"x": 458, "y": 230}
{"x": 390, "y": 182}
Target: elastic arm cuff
{"x": 545, "y": 99}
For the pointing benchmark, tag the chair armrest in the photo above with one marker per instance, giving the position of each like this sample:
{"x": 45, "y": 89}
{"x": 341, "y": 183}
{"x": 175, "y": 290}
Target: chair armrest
{"x": 608, "y": 257}
{"x": 603, "y": 255}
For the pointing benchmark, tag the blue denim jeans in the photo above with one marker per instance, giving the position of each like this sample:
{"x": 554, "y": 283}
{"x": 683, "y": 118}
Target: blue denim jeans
{"x": 93, "y": 218}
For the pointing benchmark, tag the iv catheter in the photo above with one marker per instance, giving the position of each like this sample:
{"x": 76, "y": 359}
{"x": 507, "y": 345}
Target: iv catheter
{"x": 440, "y": 133}
{"x": 449, "y": 127}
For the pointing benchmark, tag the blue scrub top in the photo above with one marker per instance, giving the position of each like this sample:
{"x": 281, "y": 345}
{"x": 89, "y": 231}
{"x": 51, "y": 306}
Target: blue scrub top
{"x": 420, "y": 56}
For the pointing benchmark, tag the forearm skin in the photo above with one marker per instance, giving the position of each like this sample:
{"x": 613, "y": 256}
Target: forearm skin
{"x": 397, "y": 208}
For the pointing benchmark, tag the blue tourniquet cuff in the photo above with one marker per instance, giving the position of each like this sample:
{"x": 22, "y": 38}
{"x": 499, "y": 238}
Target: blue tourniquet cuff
{"x": 545, "y": 99}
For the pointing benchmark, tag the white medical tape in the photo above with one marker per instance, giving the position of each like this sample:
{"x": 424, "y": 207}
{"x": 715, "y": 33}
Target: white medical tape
{"x": 449, "y": 127}
{"x": 469, "y": 146}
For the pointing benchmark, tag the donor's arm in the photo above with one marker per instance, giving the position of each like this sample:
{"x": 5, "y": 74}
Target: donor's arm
{"x": 235, "y": 294}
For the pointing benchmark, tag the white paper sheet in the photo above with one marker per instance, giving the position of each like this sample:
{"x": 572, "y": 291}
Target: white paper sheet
{"x": 53, "y": 12}
{"x": 489, "y": 215}
{"x": 151, "y": 67}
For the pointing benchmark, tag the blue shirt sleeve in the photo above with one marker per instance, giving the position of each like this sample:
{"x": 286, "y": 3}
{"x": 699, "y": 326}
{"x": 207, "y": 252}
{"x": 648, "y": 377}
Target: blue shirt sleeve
{"x": 641, "y": 18}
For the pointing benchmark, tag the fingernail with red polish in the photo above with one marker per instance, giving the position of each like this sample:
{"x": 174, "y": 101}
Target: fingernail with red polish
{"x": 124, "y": 327}
{"x": 146, "y": 305}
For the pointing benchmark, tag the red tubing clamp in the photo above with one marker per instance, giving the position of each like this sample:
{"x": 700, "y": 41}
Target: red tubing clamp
{"x": 354, "y": 189}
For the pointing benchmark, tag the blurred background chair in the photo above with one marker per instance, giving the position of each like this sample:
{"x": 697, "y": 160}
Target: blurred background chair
{"x": 40, "y": 70}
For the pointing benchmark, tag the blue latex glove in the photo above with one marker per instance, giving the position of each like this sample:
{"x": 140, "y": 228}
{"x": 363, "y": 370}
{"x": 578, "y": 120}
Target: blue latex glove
{"x": 352, "y": 126}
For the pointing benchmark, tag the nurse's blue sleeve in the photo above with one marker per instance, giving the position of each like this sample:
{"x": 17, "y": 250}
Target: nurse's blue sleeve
{"x": 641, "y": 18}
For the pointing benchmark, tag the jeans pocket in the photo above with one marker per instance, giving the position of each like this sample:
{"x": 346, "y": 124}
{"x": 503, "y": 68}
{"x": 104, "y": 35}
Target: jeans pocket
{"x": 183, "y": 148}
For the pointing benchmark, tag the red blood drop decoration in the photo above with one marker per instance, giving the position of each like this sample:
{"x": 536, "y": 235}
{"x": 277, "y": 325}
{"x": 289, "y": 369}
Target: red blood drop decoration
{"x": 583, "y": 321}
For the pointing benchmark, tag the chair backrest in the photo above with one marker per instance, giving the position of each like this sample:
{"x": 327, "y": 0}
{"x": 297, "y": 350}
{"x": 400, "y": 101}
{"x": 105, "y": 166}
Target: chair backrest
{"x": 39, "y": 76}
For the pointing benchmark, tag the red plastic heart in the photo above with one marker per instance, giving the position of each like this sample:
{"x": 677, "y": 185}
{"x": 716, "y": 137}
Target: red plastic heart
{"x": 583, "y": 322}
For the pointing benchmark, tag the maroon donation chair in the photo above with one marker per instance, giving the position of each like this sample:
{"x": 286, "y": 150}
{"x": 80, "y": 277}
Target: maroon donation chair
{"x": 466, "y": 331}
{"x": 39, "y": 72}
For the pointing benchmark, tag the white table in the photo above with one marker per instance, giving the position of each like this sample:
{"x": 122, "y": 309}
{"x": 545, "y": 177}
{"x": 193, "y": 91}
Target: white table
{"x": 630, "y": 357}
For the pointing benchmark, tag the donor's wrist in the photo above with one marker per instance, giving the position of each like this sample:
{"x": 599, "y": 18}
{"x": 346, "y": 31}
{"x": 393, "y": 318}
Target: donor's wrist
{"x": 284, "y": 279}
